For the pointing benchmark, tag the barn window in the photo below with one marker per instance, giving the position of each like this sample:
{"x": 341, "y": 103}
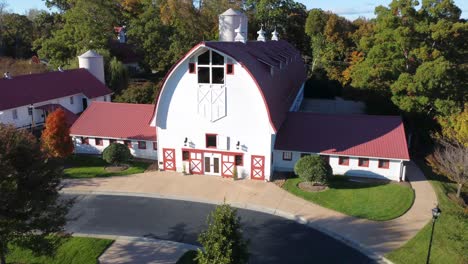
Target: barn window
{"x": 211, "y": 140}
{"x": 287, "y": 155}
{"x": 141, "y": 145}
{"x": 98, "y": 141}
{"x": 192, "y": 68}
{"x": 363, "y": 162}
{"x": 72, "y": 101}
{"x": 384, "y": 164}
{"x": 30, "y": 111}
{"x": 15, "y": 114}
{"x": 210, "y": 68}
{"x": 230, "y": 69}
{"x": 112, "y": 141}
{"x": 84, "y": 141}
{"x": 239, "y": 160}
{"x": 155, "y": 145}
{"x": 128, "y": 143}
{"x": 185, "y": 155}
{"x": 344, "y": 161}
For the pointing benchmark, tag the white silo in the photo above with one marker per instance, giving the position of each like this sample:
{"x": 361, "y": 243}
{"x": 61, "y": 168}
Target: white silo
{"x": 94, "y": 63}
{"x": 229, "y": 21}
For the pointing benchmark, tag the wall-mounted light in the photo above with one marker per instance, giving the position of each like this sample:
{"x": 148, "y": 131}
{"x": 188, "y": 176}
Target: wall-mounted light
{"x": 185, "y": 142}
{"x": 238, "y": 145}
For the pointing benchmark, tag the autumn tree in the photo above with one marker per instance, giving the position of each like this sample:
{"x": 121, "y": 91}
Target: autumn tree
{"x": 30, "y": 208}
{"x": 56, "y": 140}
{"x": 450, "y": 158}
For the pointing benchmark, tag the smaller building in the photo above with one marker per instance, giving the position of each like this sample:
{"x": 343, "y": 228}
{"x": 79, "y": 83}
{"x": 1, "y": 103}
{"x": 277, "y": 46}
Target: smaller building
{"x": 355, "y": 145}
{"x": 104, "y": 123}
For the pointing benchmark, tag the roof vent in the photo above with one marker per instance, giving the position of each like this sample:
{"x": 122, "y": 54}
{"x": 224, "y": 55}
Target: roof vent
{"x": 240, "y": 37}
{"x": 275, "y": 35}
{"x": 7, "y": 75}
{"x": 261, "y": 35}
{"x": 60, "y": 69}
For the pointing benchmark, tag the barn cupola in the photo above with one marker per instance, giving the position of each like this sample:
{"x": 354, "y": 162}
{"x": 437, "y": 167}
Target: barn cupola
{"x": 94, "y": 63}
{"x": 261, "y": 35}
{"x": 233, "y": 26}
{"x": 275, "y": 35}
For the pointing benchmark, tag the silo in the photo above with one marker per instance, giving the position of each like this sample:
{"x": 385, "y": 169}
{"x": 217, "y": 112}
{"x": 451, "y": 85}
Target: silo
{"x": 94, "y": 63}
{"x": 229, "y": 21}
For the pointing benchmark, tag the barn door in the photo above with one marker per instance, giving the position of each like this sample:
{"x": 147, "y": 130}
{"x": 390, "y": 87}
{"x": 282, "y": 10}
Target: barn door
{"x": 257, "y": 168}
{"x": 228, "y": 165}
{"x": 196, "y": 164}
{"x": 169, "y": 159}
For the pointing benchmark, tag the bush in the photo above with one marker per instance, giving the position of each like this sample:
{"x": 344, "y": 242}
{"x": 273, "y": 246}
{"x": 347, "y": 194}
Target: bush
{"x": 116, "y": 153}
{"x": 313, "y": 169}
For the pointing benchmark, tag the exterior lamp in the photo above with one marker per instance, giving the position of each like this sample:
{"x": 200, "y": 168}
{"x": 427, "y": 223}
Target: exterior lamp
{"x": 185, "y": 142}
{"x": 238, "y": 145}
{"x": 435, "y": 214}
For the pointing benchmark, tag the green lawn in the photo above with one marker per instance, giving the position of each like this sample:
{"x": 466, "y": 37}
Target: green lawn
{"x": 450, "y": 243}
{"x": 372, "y": 201}
{"x": 188, "y": 257}
{"x": 80, "y": 166}
{"x": 73, "y": 250}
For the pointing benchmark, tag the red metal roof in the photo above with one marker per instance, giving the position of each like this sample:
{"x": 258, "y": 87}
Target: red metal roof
{"x": 278, "y": 90}
{"x": 116, "y": 120}
{"x": 34, "y": 88}
{"x": 70, "y": 117}
{"x": 353, "y": 135}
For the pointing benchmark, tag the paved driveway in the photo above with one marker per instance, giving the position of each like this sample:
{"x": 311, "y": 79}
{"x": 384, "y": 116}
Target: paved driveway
{"x": 273, "y": 239}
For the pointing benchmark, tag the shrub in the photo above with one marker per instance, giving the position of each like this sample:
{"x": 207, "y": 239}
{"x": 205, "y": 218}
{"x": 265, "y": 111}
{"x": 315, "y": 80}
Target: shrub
{"x": 313, "y": 169}
{"x": 116, "y": 153}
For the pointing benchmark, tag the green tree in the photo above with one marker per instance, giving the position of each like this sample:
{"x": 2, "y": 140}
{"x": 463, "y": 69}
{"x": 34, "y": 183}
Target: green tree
{"x": 116, "y": 154}
{"x": 44, "y": 24}
{"x": 222, "y": 242}
{"x": 117, "y": 75}
{"x": 62, "y": 5}
{"x": 138, "y": 94}
{"x": 16, "y": 34}
{"x": 312, "y": 168}
{"x": 30, "y": 208}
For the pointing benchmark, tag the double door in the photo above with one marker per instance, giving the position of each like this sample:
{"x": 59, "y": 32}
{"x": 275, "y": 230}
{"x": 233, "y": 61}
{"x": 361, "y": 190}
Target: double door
{"x": 212, "y": 163}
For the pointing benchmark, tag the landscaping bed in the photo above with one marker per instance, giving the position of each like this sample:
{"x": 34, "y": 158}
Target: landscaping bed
{"x": 451, "y": 229}
{"x": 72, "y": 250}
{"x": 86, "y": 166}
{"x": 377, "y": 201}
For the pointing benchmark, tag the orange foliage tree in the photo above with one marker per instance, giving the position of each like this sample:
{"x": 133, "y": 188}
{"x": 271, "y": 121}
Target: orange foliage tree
{"x": 56, "y": 140}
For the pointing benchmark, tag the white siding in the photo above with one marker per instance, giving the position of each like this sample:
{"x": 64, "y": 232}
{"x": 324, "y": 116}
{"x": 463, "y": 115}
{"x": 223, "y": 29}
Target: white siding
{"x": 92, "y": 148}
{"x": 373, "y": 171}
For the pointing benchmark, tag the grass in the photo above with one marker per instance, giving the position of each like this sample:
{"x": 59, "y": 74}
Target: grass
{"x": 450, "y": 242}
{"x": 72, "y": 250}
{"x": 81, "y": 166}
{"x": 374, "y": 201}
{"x": 188, "y": 257}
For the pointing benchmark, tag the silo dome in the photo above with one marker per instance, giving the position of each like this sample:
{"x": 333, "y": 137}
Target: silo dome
{"x": 229, "y": 21}
{"x": 94, "y": 63}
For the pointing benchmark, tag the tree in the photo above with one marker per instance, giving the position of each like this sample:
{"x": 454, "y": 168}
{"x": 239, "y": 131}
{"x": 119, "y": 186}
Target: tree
{"x": 222, "y": 241}
{"x": 450, "y": 158}
{"x": 30, "y": 208}
{"x": 16, "y": 31}
{"x": 116, "y": 154}
{"x": 455, "y": 127}
{"x": 56, "y": 140}
{"x": 117, "y": 75}
{"x": 138, "y": 94}
{"x": 62, "y": 5}
{"x": 312, "y": 168}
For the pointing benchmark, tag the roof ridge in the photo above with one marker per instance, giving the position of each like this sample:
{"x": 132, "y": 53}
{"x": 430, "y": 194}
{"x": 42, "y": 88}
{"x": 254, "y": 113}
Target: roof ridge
{"x": 345, "y": 115}
{"x": 41, "y": 73}
{"x": 115, "y": 103}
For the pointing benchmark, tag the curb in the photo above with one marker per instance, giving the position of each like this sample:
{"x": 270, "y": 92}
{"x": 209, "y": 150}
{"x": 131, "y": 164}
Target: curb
{"x": 296, "y": 218}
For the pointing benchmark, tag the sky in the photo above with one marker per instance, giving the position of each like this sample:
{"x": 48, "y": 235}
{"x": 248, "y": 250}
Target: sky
{"x": 350, "y": 9}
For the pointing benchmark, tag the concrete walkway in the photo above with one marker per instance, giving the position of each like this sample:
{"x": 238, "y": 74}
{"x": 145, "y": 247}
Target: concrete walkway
{"x": 130, "y": 250}
{"x": 371, "y": 237}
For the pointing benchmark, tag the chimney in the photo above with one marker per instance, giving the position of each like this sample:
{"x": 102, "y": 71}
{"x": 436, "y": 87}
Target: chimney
{"x": 7, "y": 75}
{"x": 229, "y": 22}
{"x": 261, "y": 35}
{"x": 275, "y": 35}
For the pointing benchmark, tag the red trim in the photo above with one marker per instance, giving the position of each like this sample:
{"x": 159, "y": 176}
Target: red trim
{"x": 284, "y": 152}
{"x": 228, "y": 165}
{"x": 212, "y": 151}
{"x": 169, "y": 161}
{"x": 192, "y": 68}
{"x": 343, "y": 161}
{"x": 232, "y": 69}
{"x": 200, "y": 162}
{"x": 206, "y": 140}
{"x": 386, "y": 164}
{"x": 96, "y": 141}
{"x": 141, "y": 145}
{"x": 257, "y": 170}
{"x": 363, "y": 162}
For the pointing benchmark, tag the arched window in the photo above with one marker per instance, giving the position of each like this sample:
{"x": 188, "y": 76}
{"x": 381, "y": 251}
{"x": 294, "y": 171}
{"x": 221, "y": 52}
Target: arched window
{"x": 211, "y": 68}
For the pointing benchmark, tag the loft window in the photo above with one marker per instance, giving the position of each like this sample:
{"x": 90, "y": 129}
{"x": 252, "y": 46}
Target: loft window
{"x": 344, "y": 161}
{"x": 210, "y": 68}
{"x": 239, "y": 160}
{"x": 287, "y": 155}
{"x": 230, "y": 68}
{"x": 192, "y": 68}
{"x": 141, "y": 145}
{"x": 211, "y": 141}
{"x": 363, "y": 162}
{"x": 384, "y": 164}
{"x": 185, "y": 155}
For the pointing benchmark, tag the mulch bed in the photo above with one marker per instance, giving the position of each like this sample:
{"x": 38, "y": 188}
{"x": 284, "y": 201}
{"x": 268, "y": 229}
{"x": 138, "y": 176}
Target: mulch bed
{"x": 116, "y": 168}
{"x": 312, "y": 187}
